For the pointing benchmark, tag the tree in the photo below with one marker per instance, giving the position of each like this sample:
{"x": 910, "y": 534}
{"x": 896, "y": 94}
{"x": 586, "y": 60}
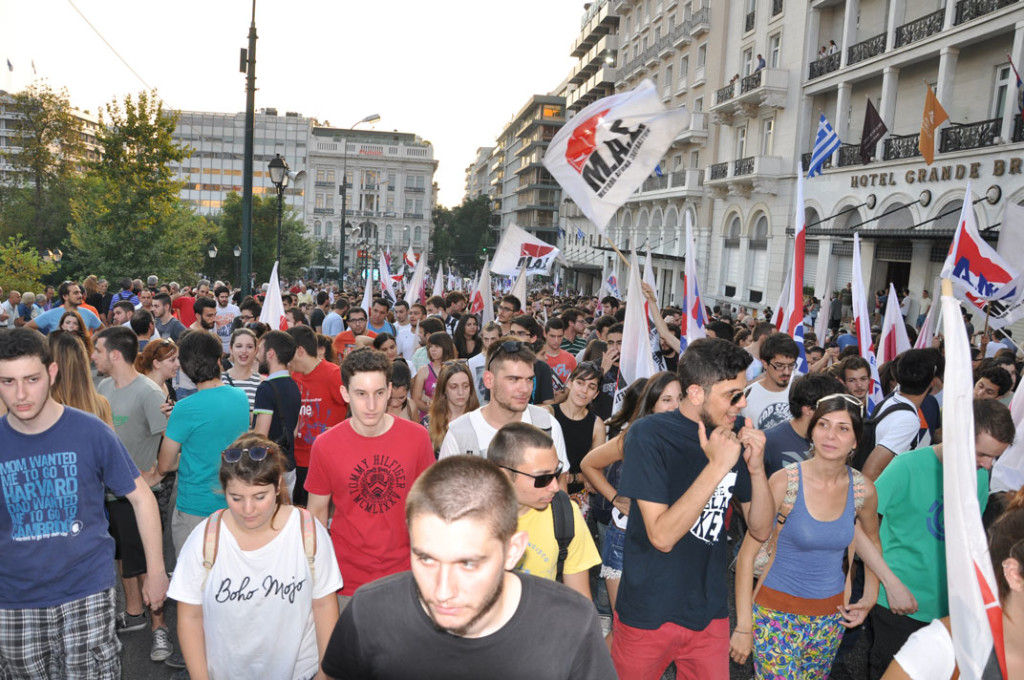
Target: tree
{"x": 45, "y": 148}
{"x": 21, "y": 268}
{"x": 461, "y": 233}
{"x": 296, "y": 248}
{"x": 129, "y": 218}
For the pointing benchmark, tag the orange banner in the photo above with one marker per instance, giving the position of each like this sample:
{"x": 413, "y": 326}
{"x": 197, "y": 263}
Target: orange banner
{"x": 934, "y": 116}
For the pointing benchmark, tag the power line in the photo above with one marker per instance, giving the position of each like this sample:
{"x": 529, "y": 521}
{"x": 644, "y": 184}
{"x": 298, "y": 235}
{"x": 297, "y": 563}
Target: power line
{"x": 107, "y": 43}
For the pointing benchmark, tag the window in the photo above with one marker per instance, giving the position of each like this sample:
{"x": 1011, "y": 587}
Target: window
{"x": 702, "y": 55}
{"x": 417, "y": 234}
{"x": 767, "y": 136}
{"x": 695, "y": 160}
{"x": 329, "y": 225}
{"x": 321, "y": 173}
{"x": 625, "y": 31}
{"x": 316, "y": 228}
{"x": 1002, "y": 87}
{"x": 774, "y": 50}
{"x": 684, "y": 70}
{"x": 668, "y": 80}
{"x": 698, "y": 104}
{"x": 320, "y": 200}
{"x": 741, "y": 141}
{"x": 388, "y": 233}
{"x": 654, "y": 79}
{"x": 748, "y": 61}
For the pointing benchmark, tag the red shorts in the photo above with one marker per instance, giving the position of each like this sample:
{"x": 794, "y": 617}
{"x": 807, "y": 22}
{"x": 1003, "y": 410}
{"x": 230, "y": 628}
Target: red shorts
{"x": 640, "y": 654}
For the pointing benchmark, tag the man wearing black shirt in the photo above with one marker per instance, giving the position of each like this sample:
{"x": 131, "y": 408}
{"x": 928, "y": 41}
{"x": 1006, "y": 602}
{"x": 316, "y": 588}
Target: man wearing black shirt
{"x": 461, "y": 612}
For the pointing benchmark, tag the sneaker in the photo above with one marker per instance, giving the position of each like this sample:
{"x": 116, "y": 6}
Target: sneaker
{"x": 162, "y": 645}
{"x": 175, "y": 660}
{"x": 126, "y": 622}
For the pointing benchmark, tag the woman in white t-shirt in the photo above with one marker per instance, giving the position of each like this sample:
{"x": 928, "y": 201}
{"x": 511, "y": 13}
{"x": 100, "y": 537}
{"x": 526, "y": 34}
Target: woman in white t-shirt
{"x": 267, "y": 605}
{"x": 928, "y": 654}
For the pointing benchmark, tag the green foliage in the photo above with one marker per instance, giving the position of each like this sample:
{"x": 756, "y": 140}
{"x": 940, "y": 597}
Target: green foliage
{"x": 128, "y": 218}
{"x": 45, "y": 145}
{"x": 21, "y": 268}
{"x": 297, "y": 250}
{"x": 461, "y": 233}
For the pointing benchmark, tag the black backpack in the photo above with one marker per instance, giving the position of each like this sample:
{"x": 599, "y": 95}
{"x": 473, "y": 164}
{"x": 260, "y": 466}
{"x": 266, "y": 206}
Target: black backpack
{"x": 867, "y": 438}
{"x": 565, "y": 528}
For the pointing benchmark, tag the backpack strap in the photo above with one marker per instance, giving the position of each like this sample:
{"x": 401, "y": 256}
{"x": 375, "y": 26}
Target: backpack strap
{"x": 308, "y": 539}
{"x": 541, "y": 418}
{"x": 211, "y": 537}
{"x": 565, "y": 528}
{"x": 465, "y": 436}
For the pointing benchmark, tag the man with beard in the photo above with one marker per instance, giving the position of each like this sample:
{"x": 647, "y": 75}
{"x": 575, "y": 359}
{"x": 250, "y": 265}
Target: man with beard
{"x": 768, "y": 399}
{"x": 166, "y": 325}
{"x": 278, "y": 400}
{"x": 364, "y": 466}
{"x": 508, "y": 375}
{"x": 71, "y": 299}
{"x": 682, "y": 469}
{"x": 461, "y": 612}
{"x": 224, "y": 316}
{"x": 205, "y": 310}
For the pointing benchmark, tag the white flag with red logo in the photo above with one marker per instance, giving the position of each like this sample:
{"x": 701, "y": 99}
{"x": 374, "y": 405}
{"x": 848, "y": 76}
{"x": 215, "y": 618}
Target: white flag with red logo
{"x": 694, "y": 319}
{"x": 483, "y": 300}
{"x": 975, "y": 616}
{"x": 652, "y": 330}
{"x": 608, "y": 149}
{"x": 273, "y": 307}
{"x": 521, "y": 251}
{"x": 519, "y": 289}
{"x": 414, "y": 293}
{"x": 410, "y": 257}
{"x": 893, "y": 339}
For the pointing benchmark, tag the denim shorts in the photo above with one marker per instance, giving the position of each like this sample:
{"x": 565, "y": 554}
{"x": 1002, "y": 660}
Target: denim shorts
{"x": 611, "y": 552}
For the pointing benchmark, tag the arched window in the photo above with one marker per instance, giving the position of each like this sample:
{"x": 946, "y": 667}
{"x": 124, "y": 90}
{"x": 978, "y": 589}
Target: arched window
{"x": 417, "y": 234}
{"x": 731, "y": 258}
{"x": 388, "y": 233}
{"x": 316, "y": 228}
{"x": 329, "y": 225}
{"x": 758, "y": 259}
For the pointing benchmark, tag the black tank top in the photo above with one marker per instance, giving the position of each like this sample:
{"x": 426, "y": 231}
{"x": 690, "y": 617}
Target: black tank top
{"x": 578, "y": 435}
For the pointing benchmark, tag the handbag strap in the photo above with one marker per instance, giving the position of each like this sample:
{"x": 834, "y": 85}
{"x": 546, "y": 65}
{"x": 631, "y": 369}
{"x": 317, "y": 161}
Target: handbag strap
{"x": 788, "y": 501}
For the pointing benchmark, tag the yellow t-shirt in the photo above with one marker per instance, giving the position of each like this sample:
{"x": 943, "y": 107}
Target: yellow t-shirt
{"x": 541, "y": 556}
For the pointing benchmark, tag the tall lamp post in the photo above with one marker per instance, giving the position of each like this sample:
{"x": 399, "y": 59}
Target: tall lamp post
{"x": 372, "y": 118}
{"x": 211, "y": 251}
{"x": 278, "y": 168}
{"x": 238, "y": 264}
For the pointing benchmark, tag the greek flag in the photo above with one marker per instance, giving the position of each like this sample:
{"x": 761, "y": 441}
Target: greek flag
{"x": 580, "y": 236}
{"x": 825, "y": 145}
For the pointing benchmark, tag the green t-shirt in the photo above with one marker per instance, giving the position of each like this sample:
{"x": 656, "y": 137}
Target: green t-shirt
{"x": 913, "y": 528}
{"x": 205, "y": 424}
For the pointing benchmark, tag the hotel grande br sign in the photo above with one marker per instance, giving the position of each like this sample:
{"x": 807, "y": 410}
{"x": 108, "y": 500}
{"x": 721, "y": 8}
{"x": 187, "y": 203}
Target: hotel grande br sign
{"x": 937, "y": 173}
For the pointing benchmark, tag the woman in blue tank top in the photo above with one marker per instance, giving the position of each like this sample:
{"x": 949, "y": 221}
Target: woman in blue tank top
{"x": 800, "y": 607}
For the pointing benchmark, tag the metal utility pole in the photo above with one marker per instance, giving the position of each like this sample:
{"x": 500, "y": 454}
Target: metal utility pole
{"x": 248, "y": 66}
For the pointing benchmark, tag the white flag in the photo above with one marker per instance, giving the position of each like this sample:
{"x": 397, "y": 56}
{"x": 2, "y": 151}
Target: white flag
{"x": 483, "y": 299}
{"x": 415, "y": 290}
{"x": 825, "y": 310}
{"x": 608, "y": 149}
{"x": 368, "y": 292}
{"x": 635, "y": 359}
{"x": 862, "y": 324}
{"x": 652, "y": 330}
{"x": 929, "y": 327}
{"x": 695, "y": 315}
{"x": 438, "y": 282}
{"x": 410, "y": 257}
{"x": 520, "y": 250}
{"x": 893, "y": 339}
{"x": 386, "y": 282}
{"x": 974, "y": 610}
{"x": 519, "y": 289}
{"x": 273, "y": 308}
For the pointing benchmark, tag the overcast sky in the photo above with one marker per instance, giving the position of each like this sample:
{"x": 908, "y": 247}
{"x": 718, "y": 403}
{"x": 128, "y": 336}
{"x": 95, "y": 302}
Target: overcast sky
{"x": 452, "y": 71}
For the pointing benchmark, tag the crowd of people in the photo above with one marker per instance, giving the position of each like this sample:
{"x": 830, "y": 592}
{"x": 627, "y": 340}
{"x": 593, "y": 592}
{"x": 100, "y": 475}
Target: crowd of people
{"x": 414, "y": 491}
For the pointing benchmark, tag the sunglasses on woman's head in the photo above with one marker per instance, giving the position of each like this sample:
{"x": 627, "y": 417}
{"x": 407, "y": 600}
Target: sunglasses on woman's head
{"x": 256, "y": 454}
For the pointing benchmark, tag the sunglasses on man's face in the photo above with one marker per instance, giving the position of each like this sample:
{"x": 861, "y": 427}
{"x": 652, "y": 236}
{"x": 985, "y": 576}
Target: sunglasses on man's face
{"x": 539, "y": 481}
{"x": 256, "y": 454}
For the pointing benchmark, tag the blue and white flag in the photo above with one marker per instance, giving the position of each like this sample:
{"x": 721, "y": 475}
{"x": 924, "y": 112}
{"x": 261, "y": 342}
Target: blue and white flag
{"x": 825, "y": 144}
{"x": 580, "y": 236}
{"x": 801, "y": 360}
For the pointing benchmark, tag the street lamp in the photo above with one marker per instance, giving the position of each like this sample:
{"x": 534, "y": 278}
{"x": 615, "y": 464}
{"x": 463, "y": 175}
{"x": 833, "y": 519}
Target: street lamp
{"x": 278, "y": 168}
{"x": 372, "y": 118}
{"x": 211, "y": 251}
{"x": 238, "y": 261}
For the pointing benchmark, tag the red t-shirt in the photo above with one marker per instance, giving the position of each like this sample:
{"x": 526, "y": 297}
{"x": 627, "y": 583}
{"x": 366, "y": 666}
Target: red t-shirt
{"x": 184, "y": 306}
{"x": 346, "y": 340}
{"x": 562, "y": 365}
{"x": 322, "y": 406}
{"x": 368, "y": 479}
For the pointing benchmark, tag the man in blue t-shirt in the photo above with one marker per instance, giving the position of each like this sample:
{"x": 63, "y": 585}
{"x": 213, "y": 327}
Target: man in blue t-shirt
{"x": 378, "y": 322}
{"x": 57, "y": 572}
{"x": 71, "y": 297}
{"x": 681, "y": 470}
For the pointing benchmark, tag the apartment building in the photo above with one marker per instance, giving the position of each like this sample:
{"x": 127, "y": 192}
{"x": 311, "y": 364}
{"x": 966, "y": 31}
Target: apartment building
{"x": 10, "y": 142}
{"x": 478, "y": 178}
{"x": 389, "y": 191}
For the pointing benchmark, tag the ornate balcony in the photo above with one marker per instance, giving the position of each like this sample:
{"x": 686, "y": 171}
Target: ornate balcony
{"x": 680, "y": 35}
{"x": 805, "y": 162}
{"x": 824, "y": 65}
{"x": 972, "y": 9}
{"x": 748, "y": 23}
{"x": 700, "y": 21}
{"x": 760, "y": 91}
{"x": 744, "y": 176}
{"x": 904, "y": 146}
{"x": 680, "y": 183}
{"x": 970, "y": 136}
{"x": 743, "y": 166}
{"x": 718, "y": 171}
{"x": 930, "y": 24}
{"x": 849, "y": 154}
{"x": 865, "y": 50}
{"x": 1018, "y": 129}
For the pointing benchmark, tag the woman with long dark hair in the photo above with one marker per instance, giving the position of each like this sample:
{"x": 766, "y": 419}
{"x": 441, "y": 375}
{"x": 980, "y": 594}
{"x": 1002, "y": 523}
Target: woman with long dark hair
{"x": 453, "y": 397}
{"x": 440, "y": 349}
{"x": 582, "y": 429}
{"x": 467, "y": 337}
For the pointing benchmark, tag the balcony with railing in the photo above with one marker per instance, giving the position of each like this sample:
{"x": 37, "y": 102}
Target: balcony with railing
{"x": 651, "y": 57}
{"x": 972, "y": 9}
{"x": 603, "y": 22}
{"x": 865, "y": 50}
{"x": 325, "y": 185}
{"x": 598, "y": 85}
{"x": 1018, "y": 129}
{"x": 664, "y": 47}
{"x": 700, "y": 21}
{"x": 820, "y": 67}
{"x": 849, "y": 155}
{"x": 970, "y": 136}
{"x": 676, "y": 184}
{"x": 901, "y": 146}
{"x": 761, "y": 90}
{"x": 919, "y": 29}
{"x": 680, "y": 35}
{"x": 745, "y": 174}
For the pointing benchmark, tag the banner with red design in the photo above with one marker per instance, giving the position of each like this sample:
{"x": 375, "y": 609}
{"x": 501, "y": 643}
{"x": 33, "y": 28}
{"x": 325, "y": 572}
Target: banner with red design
{"x": 521, "y": 251}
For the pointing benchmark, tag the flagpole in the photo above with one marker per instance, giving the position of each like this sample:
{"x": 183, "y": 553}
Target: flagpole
{"x": 619, "y": 252}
